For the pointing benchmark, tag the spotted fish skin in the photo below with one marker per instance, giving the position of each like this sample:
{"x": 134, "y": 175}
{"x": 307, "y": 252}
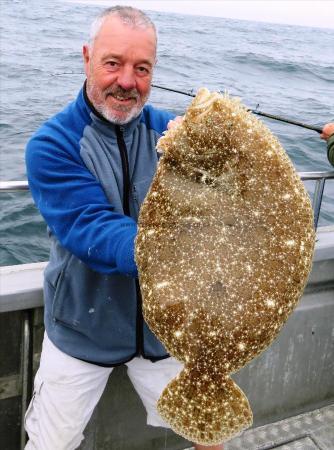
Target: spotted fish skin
{"x": 224, "y": 248}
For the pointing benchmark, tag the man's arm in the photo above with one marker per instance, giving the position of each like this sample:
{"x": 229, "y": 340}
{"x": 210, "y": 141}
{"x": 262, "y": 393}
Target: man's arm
{"x": 76, "y": 209}
{"x": 328, "y": 135}
{"x": 330, "y": 149}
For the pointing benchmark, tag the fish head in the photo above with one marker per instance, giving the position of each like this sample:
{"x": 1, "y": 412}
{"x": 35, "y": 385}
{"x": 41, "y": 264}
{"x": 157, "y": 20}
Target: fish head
{"x": 211, "y": 136}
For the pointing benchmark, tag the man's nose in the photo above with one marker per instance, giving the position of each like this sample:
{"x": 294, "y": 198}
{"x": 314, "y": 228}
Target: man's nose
{"x": 126, "y": 78}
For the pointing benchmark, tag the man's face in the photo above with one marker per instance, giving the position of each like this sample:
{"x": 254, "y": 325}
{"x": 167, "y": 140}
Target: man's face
{"x": 119, "y": 67}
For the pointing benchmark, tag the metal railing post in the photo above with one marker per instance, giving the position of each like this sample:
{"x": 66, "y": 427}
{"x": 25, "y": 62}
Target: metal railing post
{"x": 25, "y": 372}
{"x": 320, "y": 178}
{"x": 317, "y": 199}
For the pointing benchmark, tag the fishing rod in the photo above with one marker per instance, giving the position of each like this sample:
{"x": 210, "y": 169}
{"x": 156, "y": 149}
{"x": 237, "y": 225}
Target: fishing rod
{"x": 254, "y": 111}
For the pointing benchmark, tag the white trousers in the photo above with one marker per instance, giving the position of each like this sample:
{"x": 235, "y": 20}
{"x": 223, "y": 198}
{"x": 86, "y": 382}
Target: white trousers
{"x": 66, "y": 391}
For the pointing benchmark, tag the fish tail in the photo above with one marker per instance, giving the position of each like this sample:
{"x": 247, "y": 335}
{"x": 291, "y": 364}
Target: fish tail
{"x": 204, "y": 410}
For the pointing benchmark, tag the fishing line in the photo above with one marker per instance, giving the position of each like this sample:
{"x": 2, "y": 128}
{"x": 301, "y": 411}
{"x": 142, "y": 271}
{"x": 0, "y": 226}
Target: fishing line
{"x": 254, "y": 111}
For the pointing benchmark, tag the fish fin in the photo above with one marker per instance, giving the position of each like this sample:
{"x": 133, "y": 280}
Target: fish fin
{"x": 204, "y": 410}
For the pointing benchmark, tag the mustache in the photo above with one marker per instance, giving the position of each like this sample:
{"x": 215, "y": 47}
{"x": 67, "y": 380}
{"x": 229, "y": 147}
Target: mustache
{"x": 122, "y": 93}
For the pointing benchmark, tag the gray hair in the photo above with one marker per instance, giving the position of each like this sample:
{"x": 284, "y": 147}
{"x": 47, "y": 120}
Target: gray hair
{"x": 130, "y": 16}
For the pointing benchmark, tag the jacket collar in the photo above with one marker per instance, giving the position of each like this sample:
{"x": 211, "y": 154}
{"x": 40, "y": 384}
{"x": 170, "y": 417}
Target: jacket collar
{"x": 103, "y": 122}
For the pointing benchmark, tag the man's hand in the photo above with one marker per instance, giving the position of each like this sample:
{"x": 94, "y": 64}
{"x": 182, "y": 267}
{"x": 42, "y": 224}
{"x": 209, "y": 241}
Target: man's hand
{"x": 175, "y": 122}
{"x": 172, "y": 124}
{"x": 327, "y": 131}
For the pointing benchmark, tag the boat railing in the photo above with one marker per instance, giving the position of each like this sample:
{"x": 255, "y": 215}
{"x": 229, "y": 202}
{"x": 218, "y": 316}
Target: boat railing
{"x": 320, "y": 179}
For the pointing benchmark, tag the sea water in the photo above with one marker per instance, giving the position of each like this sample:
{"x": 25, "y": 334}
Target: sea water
{"x": 281, "y": 69}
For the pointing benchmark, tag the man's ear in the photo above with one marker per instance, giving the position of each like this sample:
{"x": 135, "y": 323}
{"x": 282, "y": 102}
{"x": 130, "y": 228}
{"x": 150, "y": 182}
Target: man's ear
{"x": 86, "y": 58}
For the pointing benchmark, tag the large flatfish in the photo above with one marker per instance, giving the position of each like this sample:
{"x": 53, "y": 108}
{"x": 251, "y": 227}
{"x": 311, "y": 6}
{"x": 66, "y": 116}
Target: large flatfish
{"x": 224, "y": 249}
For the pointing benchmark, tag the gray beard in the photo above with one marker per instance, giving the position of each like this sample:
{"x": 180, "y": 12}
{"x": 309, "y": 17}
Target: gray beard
{"x": 135, "y": 112}
{"x": 108, "y": 115}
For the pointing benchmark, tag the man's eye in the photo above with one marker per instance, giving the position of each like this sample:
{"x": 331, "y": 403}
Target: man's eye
{"x": 143, "y": 70}
{"x": 112, "y": 64}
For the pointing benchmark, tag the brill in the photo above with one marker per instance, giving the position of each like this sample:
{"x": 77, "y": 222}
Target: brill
{"x": 224, "y": 249}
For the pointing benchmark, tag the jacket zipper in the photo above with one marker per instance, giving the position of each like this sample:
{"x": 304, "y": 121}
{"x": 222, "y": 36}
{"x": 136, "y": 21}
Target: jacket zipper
{"x": 126, "y": 208}
{"x": 125, "y": 168}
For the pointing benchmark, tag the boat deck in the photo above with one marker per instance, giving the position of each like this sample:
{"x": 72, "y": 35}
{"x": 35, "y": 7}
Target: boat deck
{"x": 311, "y": 431}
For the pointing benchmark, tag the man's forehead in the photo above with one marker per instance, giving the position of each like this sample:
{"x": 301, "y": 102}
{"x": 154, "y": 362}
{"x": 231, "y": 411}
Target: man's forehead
{"x": 115, "y": 25}
{"x": 115, "y": 38}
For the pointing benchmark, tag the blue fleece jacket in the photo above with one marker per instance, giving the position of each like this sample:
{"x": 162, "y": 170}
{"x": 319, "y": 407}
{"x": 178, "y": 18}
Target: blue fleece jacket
{"x": 75, "y": 173}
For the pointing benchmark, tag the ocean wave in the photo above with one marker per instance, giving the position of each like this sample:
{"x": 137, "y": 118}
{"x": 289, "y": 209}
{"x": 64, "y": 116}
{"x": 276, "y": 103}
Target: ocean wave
{"x": 283, "y": 65}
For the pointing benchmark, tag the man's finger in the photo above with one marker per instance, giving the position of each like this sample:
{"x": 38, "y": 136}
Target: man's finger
{"x": 174, "y": 122}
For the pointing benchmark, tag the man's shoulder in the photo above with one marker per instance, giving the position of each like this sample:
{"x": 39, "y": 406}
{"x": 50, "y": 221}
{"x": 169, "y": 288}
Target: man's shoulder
{"x": 156, "y": 119}
{"x": 67, "y": 123}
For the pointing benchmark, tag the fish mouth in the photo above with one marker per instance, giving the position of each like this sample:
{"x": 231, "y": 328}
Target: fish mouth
{"x": 204, "y": 102}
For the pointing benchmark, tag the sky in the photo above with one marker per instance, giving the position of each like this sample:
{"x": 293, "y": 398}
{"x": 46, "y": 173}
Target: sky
{"x": 316, "y": 13}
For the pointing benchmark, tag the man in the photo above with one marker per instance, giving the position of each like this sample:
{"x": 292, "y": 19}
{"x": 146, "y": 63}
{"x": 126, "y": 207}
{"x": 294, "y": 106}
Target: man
{"x": 89, "y": 169}
{"x": 328, "y": 135}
